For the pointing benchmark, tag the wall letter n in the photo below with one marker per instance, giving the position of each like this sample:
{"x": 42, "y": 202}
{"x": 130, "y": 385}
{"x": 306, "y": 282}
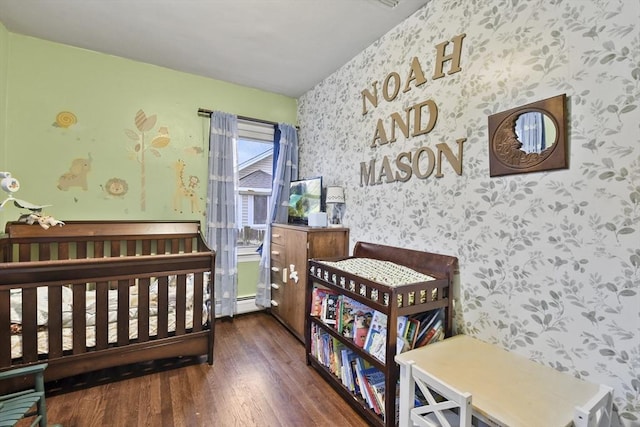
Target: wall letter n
{"x": 372, "y": 97}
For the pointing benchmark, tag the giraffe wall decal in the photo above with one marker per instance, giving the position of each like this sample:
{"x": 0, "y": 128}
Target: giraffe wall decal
{"x": 185, "y": 190}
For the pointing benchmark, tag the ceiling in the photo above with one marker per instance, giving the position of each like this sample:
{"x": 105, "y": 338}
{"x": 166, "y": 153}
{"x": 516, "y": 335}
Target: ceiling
{"x": 280, "y": 46}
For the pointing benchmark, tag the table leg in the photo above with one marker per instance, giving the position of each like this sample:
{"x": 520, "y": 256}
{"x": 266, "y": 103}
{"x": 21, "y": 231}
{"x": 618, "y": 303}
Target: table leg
{"x": 407, "y": 394}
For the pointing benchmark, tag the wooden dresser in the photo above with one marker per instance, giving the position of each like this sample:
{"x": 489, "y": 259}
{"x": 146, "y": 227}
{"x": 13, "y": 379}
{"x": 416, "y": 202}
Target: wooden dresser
{"x": 291, "y": 247}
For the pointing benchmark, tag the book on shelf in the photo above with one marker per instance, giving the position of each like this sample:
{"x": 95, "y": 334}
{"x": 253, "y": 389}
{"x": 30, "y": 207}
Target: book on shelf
{"x": 318, "y": 296}
{"x": 355, "y": 319}
{"x": 375, "y": 381}
{"x": 401, "y": 343}
{"x": 433, "y": 329}
{"x": 330, "y": 309}
{"x": 375, "y": 342}
{"x": 403, "y": 321}
{"x": 346, "y": 368}
{"x": 380, "y": 390}
{"x": 325, "y": 350}
{"x": 353, "y": 369}
{"x": 372, "y": 402}
{"x": 335, "y": 357}
{"x": 361, "y": 365}
{"x": 411, "y": 333}
{"x": 427, "y": 320}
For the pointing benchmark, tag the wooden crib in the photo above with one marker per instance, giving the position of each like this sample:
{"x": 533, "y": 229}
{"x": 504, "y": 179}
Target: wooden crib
{"x": 97, "y": 294}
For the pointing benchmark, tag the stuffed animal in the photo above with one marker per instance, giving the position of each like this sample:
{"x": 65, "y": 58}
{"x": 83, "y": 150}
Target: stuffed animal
{"x": 45, "y": 221}
{"x": 49, "y": 221}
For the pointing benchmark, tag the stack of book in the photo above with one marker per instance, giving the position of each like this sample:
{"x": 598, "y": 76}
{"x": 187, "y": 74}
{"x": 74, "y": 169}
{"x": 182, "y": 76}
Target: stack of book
{"x": 355, "y": 373}
{"x": 420, "y": 329}
{"x": 368, "y": 327}
{"x": 349, "y": 317}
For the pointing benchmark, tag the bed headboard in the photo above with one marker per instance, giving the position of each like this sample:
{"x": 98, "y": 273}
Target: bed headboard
{"x": 423, "y": 262}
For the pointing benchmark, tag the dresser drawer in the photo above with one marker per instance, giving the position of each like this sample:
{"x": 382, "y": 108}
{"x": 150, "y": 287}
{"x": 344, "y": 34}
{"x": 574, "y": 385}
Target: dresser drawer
{"x": 277, "y": 254}
{"x": 276, "y": 297}
{"x": 277, "y": 236}
{"x": 278, "y": 271}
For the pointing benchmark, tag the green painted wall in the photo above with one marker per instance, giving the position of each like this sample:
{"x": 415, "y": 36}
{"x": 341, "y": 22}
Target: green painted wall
{"x": 247, "y": 278}
{"x": 4, "y": 40}
{"x": 71, "y": 130}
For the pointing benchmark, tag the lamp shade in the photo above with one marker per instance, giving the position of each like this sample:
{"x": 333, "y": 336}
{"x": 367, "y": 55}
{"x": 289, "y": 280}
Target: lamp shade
{"x": 335, "y": 195}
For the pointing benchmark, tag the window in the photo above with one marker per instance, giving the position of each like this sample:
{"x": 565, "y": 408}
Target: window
{"x": 260, "y": 207}
{"x": 255, "y": 163}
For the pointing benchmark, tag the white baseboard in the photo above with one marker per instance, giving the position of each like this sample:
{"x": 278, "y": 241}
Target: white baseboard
{"x": 247, "y": 305}
{"x": 243, "y": 305}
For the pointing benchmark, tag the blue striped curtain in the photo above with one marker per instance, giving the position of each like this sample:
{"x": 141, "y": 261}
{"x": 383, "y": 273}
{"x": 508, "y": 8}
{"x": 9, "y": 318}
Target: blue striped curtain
{"x": 222, "y": 228}
{"x": 286, "y": 145}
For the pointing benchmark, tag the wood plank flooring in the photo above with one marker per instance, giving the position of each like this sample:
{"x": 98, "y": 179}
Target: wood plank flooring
{"x": 259, "y": 378}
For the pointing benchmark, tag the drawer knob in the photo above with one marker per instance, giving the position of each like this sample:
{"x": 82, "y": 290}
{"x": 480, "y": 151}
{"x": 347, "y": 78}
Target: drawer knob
{"x": 275, "y": 236}
{"x": 275, "y": 286}
{"x": 275, "y": 253}
{"x": 276, "y": 269}
{"x": 274, "y": 303}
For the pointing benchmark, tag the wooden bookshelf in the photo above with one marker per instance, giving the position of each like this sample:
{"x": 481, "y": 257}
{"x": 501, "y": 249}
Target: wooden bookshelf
{"x": 393, "y": 301}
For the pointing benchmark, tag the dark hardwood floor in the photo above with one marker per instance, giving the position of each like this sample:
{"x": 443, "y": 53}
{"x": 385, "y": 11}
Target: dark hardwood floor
{"x": 259, "y": 378}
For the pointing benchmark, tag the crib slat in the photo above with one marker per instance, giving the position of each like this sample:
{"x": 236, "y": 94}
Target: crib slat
{"x": 79, "y": 318}
{"x": 198, "y": 300}
{"x": 44, "y": 251}
{"x": 123, "y": 312}
{"x": 63, "y": 250}
{"x": 181, "y": 303}
{"x": 81, "y": 250}
{"x": 161, "y": 246}
{"x": 163, "y": 306}
{"x": 98, "y": 249}
{"x": 29, "y": 325}
{"x": 143, "y": 309}
{"x": 131, "y": 247}
{"x": 54, "y": 326}
{"x": 102, "y": 318}
{"x": 175, "y": 246}
{"x": 24, "y": 252}
{"x": 146, "y": 247}
{"x": 115, "y": 248}
{"x": 188, "y": 245}
{"x": 5, "y": 327}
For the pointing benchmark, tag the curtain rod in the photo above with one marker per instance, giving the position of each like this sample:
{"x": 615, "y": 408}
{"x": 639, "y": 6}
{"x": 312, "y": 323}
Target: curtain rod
{"x": 205, "y": 112}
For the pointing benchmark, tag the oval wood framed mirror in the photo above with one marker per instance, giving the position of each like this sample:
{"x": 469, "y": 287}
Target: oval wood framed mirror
{"x": 530, "y": 138}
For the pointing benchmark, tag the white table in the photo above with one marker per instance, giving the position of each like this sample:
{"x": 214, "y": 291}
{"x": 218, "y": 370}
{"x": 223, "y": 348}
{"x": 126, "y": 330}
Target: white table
{"x": 507, "y": 389}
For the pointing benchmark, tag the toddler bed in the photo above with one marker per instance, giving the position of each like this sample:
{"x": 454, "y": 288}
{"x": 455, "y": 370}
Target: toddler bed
{"x": 98, "y": 294}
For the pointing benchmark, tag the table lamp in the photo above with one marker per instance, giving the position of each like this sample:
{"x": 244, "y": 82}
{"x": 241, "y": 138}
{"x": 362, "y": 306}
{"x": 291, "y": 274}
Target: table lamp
{"x": 335, "y": 206}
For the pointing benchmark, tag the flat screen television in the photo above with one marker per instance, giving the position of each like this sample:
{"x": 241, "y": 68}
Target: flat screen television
{"x": 305, "y": 197}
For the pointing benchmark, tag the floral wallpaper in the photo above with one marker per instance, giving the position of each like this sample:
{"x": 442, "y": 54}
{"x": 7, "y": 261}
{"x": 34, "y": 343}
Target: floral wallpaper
{"x": 549, "y": 262}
